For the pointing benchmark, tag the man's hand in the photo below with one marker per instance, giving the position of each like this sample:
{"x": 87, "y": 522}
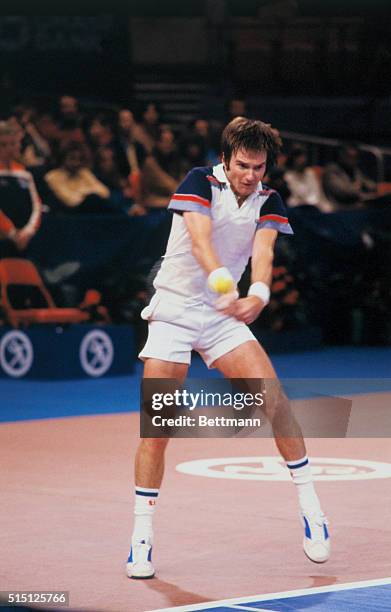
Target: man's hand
{"x": 245, "y": 309}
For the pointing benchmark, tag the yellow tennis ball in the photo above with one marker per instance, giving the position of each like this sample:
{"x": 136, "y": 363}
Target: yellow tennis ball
{"x": 223, "y": 285}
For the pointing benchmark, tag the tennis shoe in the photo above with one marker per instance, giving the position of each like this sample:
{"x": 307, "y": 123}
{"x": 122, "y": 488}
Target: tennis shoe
{"x": 139, "y": 563}
{"x": 316, "y": 541}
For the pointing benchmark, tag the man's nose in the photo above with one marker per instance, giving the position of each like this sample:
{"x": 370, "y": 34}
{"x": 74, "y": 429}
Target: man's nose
{"x": 250, "y": 175}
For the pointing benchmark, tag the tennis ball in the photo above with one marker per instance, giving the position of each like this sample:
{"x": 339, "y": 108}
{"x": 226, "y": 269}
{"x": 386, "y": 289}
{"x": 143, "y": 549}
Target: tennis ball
{"x": 223, "y": 285}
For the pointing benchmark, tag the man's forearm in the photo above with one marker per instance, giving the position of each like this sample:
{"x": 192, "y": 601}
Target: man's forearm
{"x": 262, "y": 267}
{"x": 200, "y": 230}
{"x": 206, "y": 256}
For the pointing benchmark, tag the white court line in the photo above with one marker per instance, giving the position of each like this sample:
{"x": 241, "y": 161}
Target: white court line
{"x": 281, "y": 595}
{"x": 252, "y": 609}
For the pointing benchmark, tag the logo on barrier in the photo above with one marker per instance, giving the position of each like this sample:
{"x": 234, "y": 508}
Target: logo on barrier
{"x": 16, "y": 353}
{"x": 96, "y": 353}
{"x": 274, "y": 469}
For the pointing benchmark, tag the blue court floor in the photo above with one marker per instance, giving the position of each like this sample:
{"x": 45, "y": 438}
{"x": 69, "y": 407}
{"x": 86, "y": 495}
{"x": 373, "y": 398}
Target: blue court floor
{"x": 352, "y": 370}
{"x": 366, "y": 596}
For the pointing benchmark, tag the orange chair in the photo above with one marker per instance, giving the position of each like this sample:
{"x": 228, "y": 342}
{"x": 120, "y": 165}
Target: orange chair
{"x": 25, "y": 299}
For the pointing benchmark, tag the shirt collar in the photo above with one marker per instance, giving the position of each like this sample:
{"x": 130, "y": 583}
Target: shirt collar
{"x": 219, "y": 173}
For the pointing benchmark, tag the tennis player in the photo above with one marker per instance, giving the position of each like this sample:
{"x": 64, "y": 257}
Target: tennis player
{"x": 222, "y": 216}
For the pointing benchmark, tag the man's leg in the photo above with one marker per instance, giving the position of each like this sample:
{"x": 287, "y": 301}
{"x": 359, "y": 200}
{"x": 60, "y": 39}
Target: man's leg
{"x": 149, "y": 469}
{"x": 250, "y": 361}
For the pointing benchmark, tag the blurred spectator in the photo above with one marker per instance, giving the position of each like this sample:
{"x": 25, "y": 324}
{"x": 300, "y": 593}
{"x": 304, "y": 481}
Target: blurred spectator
{"x": 161, "y": 172}
{"x": 107, "y": 171}
{"x": 130, "y": 151}
{"x": 274, "y": 178}
{"x": 49, "y": 130}
{"x": 149, "y": 129}
{"x": 68, "y": 111}
{"x": 343, "y": 182}
{"x": 303, "y": 182}
{"x": 210, "y": 138}
{"x": 236, "y": 107}
{"x": 75, "y": 186}
{"x": 35, "y": 150}
{"x": 100, "y": 132}
{"x": 193, "y": 153}
{"x": 20, "y": 206}
{"x": 130, "y": 132}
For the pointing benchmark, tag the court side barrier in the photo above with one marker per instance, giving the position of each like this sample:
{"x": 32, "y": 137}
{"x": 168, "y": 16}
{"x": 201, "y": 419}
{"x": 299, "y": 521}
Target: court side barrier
{"x": 67, "y": 352}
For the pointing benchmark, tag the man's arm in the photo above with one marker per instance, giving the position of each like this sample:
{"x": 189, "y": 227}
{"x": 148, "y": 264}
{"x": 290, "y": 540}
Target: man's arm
{"x": 263, "y": 255}
{"x": 193, "y": 199}
{"x": 200, "y": 229}
{"x": 249, "y": 308}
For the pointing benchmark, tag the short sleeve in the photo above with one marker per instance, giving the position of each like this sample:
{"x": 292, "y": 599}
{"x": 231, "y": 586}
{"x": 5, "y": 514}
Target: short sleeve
{"x": 194, "y": 194}
{"x": 274, "y": 215}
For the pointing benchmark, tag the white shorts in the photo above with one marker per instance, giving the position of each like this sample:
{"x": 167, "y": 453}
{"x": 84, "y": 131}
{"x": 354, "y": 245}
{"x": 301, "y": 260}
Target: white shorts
{"x": 175, "y": 329}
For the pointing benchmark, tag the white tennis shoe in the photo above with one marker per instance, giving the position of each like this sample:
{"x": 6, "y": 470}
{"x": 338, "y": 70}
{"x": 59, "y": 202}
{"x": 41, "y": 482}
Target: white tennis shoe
{"x": 139, "y": 563}
{"x": 316, "y": 541}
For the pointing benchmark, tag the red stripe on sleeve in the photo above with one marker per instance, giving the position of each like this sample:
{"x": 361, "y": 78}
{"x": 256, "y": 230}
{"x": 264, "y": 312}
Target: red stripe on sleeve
{"x": 277, "y": 218}
{"x": 191, "y": 198}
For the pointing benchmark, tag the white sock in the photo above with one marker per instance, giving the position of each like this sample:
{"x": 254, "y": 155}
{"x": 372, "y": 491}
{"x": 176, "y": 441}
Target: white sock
{"x": 301, "y": 475}
{"x": 144, "y": 508}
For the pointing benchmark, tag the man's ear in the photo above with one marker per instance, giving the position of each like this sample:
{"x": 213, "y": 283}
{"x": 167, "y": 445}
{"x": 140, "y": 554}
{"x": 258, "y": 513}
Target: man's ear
{"x": 225, "y": 164}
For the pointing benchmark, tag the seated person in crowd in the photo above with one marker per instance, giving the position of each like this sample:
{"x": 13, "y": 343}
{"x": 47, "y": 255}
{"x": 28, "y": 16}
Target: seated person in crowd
{"x": 303, "y": 182}
{"x": 100, "y": 132}
{"x": 75, "y": 186}
{"x": 107, "y": 170}
{"x": 148, "y": 130}
{"x": 344, "y": 184}
{"x": 20, "y": 205}
{"x": 49, "y": 130}
{"x": 35, "y": 149}
{"x": 129, "y": 151}
{"x": 68, "y": 111}
{"x": 193, "y": 153}
{"x": 161, "y": 171}
{"x": 211, "y": 140}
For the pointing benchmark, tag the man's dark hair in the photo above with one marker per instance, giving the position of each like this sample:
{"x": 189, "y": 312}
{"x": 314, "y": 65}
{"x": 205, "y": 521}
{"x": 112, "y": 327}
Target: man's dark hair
{"x": 250, "y": 135}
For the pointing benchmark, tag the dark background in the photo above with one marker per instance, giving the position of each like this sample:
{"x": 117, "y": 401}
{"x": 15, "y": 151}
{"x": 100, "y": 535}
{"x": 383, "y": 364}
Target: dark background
{"x": 337, "y": 55}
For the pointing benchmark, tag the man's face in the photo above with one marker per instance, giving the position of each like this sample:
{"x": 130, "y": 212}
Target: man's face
{"x": 245, "y": 170}
{"x": 8, "y": 145}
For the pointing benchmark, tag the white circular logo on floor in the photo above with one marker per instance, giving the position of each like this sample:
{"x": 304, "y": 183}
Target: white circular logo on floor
{"x": 273, "y": 468}
{"x": 16, "y": 354}
{"x": 96, "y": 353}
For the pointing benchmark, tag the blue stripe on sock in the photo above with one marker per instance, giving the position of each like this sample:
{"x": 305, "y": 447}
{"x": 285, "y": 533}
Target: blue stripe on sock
{"x": 146, "y": 493}
{"x": 298, "y": 465}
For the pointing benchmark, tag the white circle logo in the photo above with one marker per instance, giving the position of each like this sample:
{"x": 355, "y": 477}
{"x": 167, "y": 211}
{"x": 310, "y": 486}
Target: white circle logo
{"x": 16, "y": 353}
{"x": 273, "y": 468}
{"x": 96, "y": 353}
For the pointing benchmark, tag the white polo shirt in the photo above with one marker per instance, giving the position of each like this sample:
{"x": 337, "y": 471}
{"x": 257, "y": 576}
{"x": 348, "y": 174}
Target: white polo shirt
{"x": 207, "y": 190}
